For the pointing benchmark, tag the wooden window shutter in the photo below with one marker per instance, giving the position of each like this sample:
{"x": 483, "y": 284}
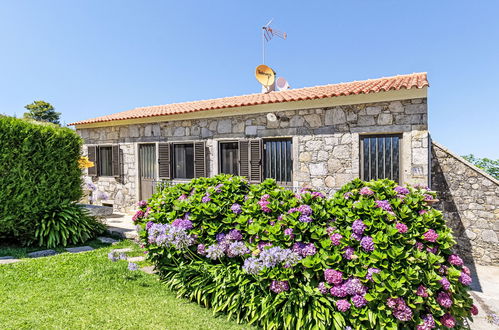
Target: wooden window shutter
{"x": 255, "y": 168}
{"x": 92, "y": 156}
{"x": 164, "y": 160}
{"x": 244, "y": 163}
{"x": 116, "y": 164}
{"x": 199, "y": 159}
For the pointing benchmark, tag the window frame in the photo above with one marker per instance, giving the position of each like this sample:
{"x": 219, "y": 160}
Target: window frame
{"x": 378, "y": 135}
{"x": 99, "y": 160}
{"x": 173, "y": 160}
{"x": 219, "y": 151}
{"x": 264, "y": 159}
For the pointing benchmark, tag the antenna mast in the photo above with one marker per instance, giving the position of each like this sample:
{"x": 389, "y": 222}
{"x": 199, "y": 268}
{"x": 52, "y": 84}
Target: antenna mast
{"x": 267, "y": 34}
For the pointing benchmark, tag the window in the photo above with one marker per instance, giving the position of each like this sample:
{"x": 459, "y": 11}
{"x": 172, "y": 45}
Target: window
{"x": 105, "y": 161}
{"x": 229, "y": 156}
{"x": 278, "y": 163}
{"x": 183, "y": 161}
{"x": 380, "y": 157}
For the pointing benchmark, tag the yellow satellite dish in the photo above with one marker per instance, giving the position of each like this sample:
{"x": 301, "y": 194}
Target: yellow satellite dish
{"x": 265, "y": 75}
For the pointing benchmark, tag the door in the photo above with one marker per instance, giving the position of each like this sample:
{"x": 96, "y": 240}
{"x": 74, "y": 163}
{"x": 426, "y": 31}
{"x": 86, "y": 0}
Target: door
{"x": 147, "y": 170}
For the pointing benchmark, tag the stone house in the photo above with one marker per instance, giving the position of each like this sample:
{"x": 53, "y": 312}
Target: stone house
{"x": 320, "y": 137}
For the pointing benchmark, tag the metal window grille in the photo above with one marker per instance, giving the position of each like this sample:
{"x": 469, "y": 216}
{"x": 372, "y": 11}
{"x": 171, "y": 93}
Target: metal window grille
{"x": 380, "y": 157}
{"x": 278, "y": 160}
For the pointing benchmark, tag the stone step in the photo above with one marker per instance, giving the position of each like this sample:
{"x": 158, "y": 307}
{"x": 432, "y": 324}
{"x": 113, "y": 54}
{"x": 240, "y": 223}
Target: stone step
{"x": 79, "y": 249}
{"x": 149, "y": 270}
{"x": 136, "y": 259}
{"x": 107, "y": 240}
{"x": 42, "y": 253}
{"x": 122, "y": 250}
{"x": 8, "y": 260}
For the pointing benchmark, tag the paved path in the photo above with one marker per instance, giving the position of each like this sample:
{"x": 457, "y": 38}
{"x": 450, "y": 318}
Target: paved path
{"x": 485, "y": 293}
{"x": 121, "y": 224}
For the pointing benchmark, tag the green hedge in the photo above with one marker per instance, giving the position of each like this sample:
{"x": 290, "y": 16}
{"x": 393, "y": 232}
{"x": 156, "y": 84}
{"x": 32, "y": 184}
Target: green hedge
{"x": 38, "y": 172}
{"x": 373, "y": 256}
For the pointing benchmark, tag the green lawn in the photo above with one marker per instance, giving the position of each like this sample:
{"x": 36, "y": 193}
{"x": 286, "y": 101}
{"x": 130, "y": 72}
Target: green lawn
{"x": 86, "y": 290}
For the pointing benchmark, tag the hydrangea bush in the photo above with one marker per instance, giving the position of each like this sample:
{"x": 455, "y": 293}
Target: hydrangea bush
{"x": 375, "y": 255}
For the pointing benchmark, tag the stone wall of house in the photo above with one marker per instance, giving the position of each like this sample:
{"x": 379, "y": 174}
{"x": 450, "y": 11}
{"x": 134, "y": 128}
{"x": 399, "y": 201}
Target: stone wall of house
{"x": 469, "y": 199}
{"x": 326, "y": 144}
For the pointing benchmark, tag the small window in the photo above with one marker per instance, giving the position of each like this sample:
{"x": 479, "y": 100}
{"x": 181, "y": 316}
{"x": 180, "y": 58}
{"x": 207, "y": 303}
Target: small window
{"x": 380, "y": 157}
{"x": 229, "y": 157}
{"x": 183, "y": 161}
{"x": 278, "y": 160}
{"x": 105, "y": 161}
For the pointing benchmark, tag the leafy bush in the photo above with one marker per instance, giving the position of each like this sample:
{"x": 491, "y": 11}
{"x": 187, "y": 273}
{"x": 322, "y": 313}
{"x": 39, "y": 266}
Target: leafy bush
{"x": 39, "y": 172}
{"x": 375, "y": 255}
{"x": 68, "y": 224}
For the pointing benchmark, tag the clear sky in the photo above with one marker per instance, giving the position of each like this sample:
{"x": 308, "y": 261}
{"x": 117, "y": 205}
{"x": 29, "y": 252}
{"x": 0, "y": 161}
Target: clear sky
{"x": 91, "y": 58}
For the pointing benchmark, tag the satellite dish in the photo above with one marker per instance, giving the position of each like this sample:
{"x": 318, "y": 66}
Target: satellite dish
{"x": 265, "y": 75}
{"x": 282, "y": 84}
{"x": 271, "y": 117}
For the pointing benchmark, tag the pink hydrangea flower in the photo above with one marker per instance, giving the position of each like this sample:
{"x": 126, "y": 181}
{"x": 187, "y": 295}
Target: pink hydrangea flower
{"x": 448, "y": 321}
{"x": 401, "y": 227}
{"x": 431, "y": 236}
{"x": 366, "y": 191}
{"x": 333, "y": 276}
{"x": 444, "y": 299}
{"x": 421, "y": 212}
{"x": 466, "y": 270}
{"x": 465, "y": 279}
{"x": 336, "y": 238}
{"x": 455, "y": 260}
{"x": 422, "y": 291}
{"x": 474, "y": 310}
{"x": 343, "y": 305}
{"x": 444, "y": 282}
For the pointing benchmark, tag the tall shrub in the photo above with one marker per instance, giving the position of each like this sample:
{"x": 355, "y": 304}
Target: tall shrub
{"x": 38, "y": 172}
{"x": 375, "y": 255}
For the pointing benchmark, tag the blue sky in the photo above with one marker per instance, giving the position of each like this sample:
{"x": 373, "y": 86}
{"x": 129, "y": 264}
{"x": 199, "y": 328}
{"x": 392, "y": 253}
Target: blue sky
{"x": 91, "y": 58}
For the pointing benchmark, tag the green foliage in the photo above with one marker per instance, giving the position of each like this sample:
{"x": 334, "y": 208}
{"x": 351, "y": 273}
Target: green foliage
{"x": 406, "y": 259}
{"x": 68, "y": 224}
{"x": 488, "y": 165}
{"x": 42, "y": 111}
{"x": 38, "y": 173}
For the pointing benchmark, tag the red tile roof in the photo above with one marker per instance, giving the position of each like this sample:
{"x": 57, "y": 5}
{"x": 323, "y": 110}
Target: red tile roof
{"x": 414, "y": 80}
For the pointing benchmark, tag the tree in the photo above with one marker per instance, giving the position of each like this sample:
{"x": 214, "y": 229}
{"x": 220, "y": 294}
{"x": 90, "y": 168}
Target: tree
{"x": 42, "y": 111}
{"x": 488, "y": 165}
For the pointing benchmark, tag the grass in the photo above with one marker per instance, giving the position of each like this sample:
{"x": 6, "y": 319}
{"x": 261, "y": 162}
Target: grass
{"x": 86, "y": 290}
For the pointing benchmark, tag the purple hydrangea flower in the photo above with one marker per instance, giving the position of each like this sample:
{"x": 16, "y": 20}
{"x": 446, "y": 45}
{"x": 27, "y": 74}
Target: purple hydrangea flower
{"x": 427, "y": 197}
{"x": 317, "y": 194}
{"x": 289, "y": 232}
{"x": 466, "y": 270}
{"x": 333, "y": 276}
{"x": 421, "y": 212}
{"x": 348, "y": 253}
{"x": 348, "y": 195}
{"x": 206, "y": 198}
{"x": 279, "y": 286}
{"x": 336, "y": 238}
{"x": 149, "y": 224}
{"x": 181, "y": 223}
{"x": 401, "y": 227}
{"x": 220, "y": 237}
{"x": 444, "y": 282}
{"x": 182, "y": 197}
{"x": 370, "y": 272}
{"x": 401, "y": 190}
{"x": 465, "y": 279}
{"x": 343, "y": 305}
{"x": 399, "y": 308}
{"x": 448, "y": 320}
{"x": 338, "y": 291}
{"x": 428, "y": 323}
{"x": 444, "y": 299}
{"x": 112, "y": 256}
{"x": 142, "y": 203}
{"x": 263, "y": 202}
{"x": 422, "y": 291}
{"x": 356, "y": 237}
{"x": 138, "y": 215}
{"x": 168, "y": 235}
{"x": 235, "y": 235}
{"x": 358, "y": 227}
{"x": 367, "y": 243}
{"x": 455, "y": 260}
{"x": 366, "y": 191}
{"x": 322, "y": 288}
{"x": 236, "y": 208}
{"x": 359, "y": 301}
{"x": 304, "y": 249}
{"x": 305, "y": 218}
{"x": 385, "y": 205}
{"x": 430, "y": 236}
{"x": 419, "y": 246}
{"x": 218, "y": 187}
{"x": 132, "y": 266}
{"x": 353, "y": 286}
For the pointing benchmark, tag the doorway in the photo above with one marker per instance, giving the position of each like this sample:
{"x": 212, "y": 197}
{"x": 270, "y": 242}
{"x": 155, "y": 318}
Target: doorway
{"x": 147, "y": 170}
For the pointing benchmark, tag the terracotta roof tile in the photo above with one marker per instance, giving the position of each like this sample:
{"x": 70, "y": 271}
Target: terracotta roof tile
{"x": 415, "y": 80}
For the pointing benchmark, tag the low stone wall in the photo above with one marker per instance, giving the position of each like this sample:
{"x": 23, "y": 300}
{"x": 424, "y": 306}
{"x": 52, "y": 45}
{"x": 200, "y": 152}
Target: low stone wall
{"x": 469, "y": 198}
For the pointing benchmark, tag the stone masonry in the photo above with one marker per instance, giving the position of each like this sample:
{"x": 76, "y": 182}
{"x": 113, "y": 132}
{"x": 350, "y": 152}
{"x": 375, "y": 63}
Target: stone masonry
{"x": 325, "y": 141}
{"x": 469, "y": 199}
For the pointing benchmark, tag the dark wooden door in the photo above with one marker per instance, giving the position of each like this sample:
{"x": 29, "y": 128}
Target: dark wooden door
{"x": 147, "y": 170}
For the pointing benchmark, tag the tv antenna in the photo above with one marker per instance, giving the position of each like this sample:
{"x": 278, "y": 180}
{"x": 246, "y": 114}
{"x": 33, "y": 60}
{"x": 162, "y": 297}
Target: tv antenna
{"x": 268, "y": 33}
